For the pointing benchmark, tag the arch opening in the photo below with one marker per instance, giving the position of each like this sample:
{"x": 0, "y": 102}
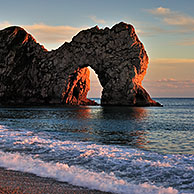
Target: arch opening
{"x": 95, "y": 91}
{"x": 82, "y": 87}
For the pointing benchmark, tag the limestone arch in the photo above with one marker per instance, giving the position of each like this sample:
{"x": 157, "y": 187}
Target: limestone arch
{"x": 31, "y": 74}
{"x": 118, "y": 58}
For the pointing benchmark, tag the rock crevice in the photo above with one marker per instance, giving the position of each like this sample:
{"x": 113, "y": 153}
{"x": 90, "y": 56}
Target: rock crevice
{"x": 31, "y": 74}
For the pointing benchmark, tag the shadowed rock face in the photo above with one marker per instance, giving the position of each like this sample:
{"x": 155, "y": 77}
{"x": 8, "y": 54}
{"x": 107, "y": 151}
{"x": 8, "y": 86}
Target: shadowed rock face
{"x": 31, "y": 74}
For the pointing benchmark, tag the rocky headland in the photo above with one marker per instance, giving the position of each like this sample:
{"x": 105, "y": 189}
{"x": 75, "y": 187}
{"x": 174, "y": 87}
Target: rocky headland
{"x": 29, "y": 74}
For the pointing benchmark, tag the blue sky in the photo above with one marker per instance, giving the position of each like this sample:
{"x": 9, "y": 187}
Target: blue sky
{"x": 166, "y": 27}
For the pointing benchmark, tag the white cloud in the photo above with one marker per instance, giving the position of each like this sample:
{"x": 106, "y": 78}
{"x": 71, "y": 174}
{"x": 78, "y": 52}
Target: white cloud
{"x": 4, "y": 24}
{"x": 174, "y": 18}
{"x": 178, "y": 68}
{"x": 170, "y": 77}
{"x": 171, "y": 61}
{"x": 170, "y": 87}
{"x": 96, "y": 20}
{"x": 52, "y": 34}
{"x": 173, "y": 83}
{"x": 142, "y": 32}
{"x": 170, "y": 83}
{"x": 160, "y": 11}
{"x": 179, "y": 20}
{"x": 47, "y": 34}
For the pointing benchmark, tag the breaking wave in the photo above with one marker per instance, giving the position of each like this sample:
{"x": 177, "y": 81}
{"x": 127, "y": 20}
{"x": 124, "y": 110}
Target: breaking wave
{"x": 77, "y": 175}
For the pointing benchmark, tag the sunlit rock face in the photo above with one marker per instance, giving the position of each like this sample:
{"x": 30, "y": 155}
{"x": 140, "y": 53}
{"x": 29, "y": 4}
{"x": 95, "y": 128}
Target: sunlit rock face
{"x": 76, "y": 88}
{"x": 31, "y": 74}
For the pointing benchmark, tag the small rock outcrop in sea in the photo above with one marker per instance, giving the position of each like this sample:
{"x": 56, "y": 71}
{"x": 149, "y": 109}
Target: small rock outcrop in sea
{"x": 29, "y": 74}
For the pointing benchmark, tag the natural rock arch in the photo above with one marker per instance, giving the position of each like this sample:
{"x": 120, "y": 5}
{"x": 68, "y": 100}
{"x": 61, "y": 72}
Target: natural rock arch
{"x": 31, "y": 74}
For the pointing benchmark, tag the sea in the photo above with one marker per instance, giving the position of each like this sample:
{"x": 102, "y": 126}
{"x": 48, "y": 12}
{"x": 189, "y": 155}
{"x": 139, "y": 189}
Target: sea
{"x": 115, "y": 149}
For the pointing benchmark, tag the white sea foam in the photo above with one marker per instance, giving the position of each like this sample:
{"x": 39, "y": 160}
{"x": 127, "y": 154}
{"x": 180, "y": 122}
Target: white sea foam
{"x": 152, "y": 163}
{"x": 77, "y": 175}
{"x": 111, "y": 168}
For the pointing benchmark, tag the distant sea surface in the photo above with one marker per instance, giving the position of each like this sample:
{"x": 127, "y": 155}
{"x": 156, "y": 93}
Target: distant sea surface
{"x": 116, "y": 149}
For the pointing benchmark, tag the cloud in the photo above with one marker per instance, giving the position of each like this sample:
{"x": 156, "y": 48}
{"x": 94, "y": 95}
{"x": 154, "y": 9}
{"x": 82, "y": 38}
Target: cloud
{"x": 178, "y": 68}
{"x": 143, "y": 32}
{"x": 172, "y": 61}
{"x": 171, "y": 82}
{"x": 180, "y": 20}
{"x": 170, "y": 77}
{"x": 4, "y": 24}
{"x": 151, "y": 31}
{"x": 160, "y": 11}
{"x": 52, "y": 34}
{"x": 47, "y": 34}
{"x": 174, "y": 18}
{"x": 96, "y": 20}
{"x": 170, "y": 87}
{"x": 186, "y": 42}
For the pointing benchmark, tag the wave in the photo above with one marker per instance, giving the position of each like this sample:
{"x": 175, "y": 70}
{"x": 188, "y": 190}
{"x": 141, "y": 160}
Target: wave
{"x": 111, "y": 168}
{"x": 77, "y": 175}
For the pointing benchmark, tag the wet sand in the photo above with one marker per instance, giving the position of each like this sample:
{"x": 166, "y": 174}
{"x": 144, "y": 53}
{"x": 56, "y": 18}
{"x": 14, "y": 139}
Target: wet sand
{"x": 14, "y": 182}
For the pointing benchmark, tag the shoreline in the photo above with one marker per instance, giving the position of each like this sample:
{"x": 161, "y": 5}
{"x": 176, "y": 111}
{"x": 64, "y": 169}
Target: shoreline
{"x": 21, "y": 182}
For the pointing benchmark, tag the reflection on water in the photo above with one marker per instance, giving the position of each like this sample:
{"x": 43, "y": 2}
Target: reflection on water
{"x": 108, "y": 125}
{"x": 134, "y": 138}
{"x": 110, "y": 112}
{"x": 140, "y": 137}
{"x": 128, "y": 113}
{"x": 162, "y": 129}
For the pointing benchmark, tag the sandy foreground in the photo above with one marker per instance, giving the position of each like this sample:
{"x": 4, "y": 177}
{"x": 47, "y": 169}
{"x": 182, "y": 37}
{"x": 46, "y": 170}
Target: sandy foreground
{"x": 14, "y": 182}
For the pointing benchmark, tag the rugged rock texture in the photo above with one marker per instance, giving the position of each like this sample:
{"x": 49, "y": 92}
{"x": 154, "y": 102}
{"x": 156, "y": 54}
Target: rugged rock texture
{"x": 76, "y": 89}
{"x": 31, "y": 74}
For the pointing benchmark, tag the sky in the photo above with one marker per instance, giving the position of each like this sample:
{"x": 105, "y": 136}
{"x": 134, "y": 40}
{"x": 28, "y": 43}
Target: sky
{"x": 166, "y": 28}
